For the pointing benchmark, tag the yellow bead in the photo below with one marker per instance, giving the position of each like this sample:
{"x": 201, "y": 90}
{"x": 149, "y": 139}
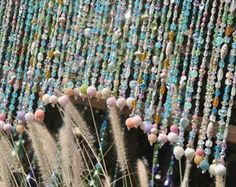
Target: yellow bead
{"x": 50, "y": 54}
{"x": 47, "y": 74}
{"x": 60, "y": 1}
{"x": 139, "y": 79}
{"x": 133, "y": 104}
{"x": 171, "y": 35}
{"x": 143, "y": 57}
{"x": 215, "y": 102}
{"x": 166, "y": 63}
{"x": 157, "y": 119}
{"x": 229, "y": 30}
{"x": 162, "y": 89}
{"x": 198, "y": 159}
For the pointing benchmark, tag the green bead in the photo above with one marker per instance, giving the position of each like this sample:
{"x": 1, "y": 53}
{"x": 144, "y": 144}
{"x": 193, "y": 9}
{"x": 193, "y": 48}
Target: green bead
{"x": 83, "y": 89}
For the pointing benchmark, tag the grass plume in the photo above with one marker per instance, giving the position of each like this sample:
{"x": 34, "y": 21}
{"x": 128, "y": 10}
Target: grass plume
{"x": 142, "y": 173}
{"x": 118, "y": 138}
{"x": 43, "y": 142}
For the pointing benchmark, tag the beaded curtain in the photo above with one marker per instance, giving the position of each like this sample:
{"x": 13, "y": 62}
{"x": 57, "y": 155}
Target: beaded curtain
{"x": 172, "y": 62}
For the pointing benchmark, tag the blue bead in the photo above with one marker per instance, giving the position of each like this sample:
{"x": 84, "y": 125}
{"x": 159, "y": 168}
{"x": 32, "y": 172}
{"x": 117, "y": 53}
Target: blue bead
{"x": 204, "y": 165}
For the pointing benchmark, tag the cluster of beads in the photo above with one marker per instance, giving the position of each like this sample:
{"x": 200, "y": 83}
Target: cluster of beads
{"x": 152, "y": 56}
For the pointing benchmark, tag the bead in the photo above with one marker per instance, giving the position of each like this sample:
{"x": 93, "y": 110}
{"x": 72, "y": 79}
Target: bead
{"x": 199, "y": 152}
{"x": 154, "y": 130}
{"x": 174, "y": 128}
{"x": 129, "y": 123}
{"x": 152, "y": 138}
{"x": 204, "y": 165}
{"x": 20, "y": 128}
{"x": 224, "y": 51}
{"x": 121, "y": 103}
{"x": 162, "y": 89}
{"x": 39, "y": 115}
{"x": 91, "y": 91}
{"x": 229, "y": 30}
{"x": 29, "y": 117}
{"x": 215, "y": 102}
{"x": 106, "y": 92}
{"x": 162, "y": 138}
{"x": 137, "y": 121}
{"x": 69, "y": 91}
{"x": 21, "y": 115}
{"x": 76, "y": 92}
{"x": 45, "y": 99}
{"x": 63, "y": 100}
{"x": 172, "y": 137}
{"x": 212, "y": 169}
{"x": 130, "y": 102}
{"x": 220, "y": 170}
{"x": 189, "y": 153}
{"x": 111, "y": 102}
{"x": 53, "y": 100}
{"x": 83, "y": 89}
{"x": 157, "y": 119}
{"x": 184, "y": 122}
{"x": 171, "y": 35}
{"x": 178, "y": 152}
{"x": 198, "y": 159}
{"x": 2, "y": 117}
{"x": 7, "y": 127}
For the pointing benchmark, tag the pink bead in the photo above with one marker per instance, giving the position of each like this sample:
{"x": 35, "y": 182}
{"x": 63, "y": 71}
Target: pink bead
{"x": 137, "y": 121}
{"x": 7, "y": 128}
{"x": 2, "y": 117}
{"x": 152, "y": 138}
{"x": 129, "y": 123}
{"x": 39, "y": 115}
{"x": 199, "y": 152}
{"x": 111, "y": 101}
{"x": 174, "y": 129}
{"x": 91, "y": 91}
{"x": 162, "y": 138}
{"x": 63, "y": 100}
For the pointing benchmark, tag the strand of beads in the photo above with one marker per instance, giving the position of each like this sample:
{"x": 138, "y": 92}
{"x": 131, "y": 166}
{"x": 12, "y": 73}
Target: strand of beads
{"x": 11, "y": 56}
{"x": 189, "y": 151}
{"x": 6, "y": 18}
{"x": 183, "y": 77}
{"x": 217, "y": 168}
{"x": 209, "y": 89}
{"x": 199, "y": 159}
{"x": 161, "y": 44}
{"x": 224, "y": 50}
{"x": 145, "y": 63}
{"x": 192, "y": 75}
{"x": 174, "y": 70}
{"x": 131, "y": 46}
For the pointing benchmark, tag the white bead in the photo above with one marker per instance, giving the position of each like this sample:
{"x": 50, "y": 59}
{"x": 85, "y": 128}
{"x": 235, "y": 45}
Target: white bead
{"x": 76, "y": 92}
{"x": 178, "y": 152}
{"x": 172, "y": 137}
{"x": 45, "y": 99}
{"x": 29, "y": 117}
{"x": 120, "y": 103}
{"x": 189, "y": 153}
{"x": 106, "y": 92}
{"x": 209, "y": 143}
{"x": 220, "y": 170}
{"x": 130, "y": 101}
{"x": 212, "y": 169}
{"x": 224, "y": 51}
{"x": 169, "y": 48}
{"x": 53, "y": 99}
